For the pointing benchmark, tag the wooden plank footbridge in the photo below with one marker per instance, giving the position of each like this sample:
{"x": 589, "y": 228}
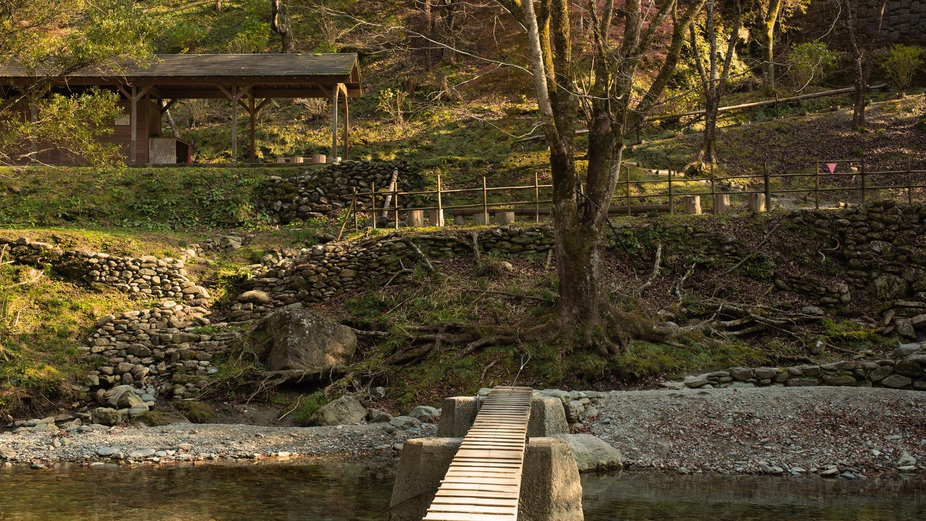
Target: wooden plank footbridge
{"x": 483, "y": 482}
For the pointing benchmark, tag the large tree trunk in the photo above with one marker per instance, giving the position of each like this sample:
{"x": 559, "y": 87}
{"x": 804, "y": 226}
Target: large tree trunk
{"x": 858, "y": 96}
{"x": 863, "y": 40}
{"x": 279, "y": 23}
{"x": 708, "y": 152}
{"x": 714, "y": 84}
{"x": 767, "y": 40}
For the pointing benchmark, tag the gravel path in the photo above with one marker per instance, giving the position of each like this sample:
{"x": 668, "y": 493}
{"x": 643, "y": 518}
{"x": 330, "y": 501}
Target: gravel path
{"x": 771, "y": 430}
{"x": 184, "y": 442}
{"x": 844, "y": 431}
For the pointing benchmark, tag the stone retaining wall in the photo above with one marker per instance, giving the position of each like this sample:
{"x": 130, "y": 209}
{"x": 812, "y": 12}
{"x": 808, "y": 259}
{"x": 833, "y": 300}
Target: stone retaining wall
{"x": 316, "y": 274}
{"x": 172, "y": 343}
{"x": 146, "y": 276}
{"x": 165, "y": 344}
{"x": 906, "y": 369}
{"x": 317, "y": 193}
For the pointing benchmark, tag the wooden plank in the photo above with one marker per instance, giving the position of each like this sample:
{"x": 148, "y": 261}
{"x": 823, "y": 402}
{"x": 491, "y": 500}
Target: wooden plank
{"x": 483, "y": 481}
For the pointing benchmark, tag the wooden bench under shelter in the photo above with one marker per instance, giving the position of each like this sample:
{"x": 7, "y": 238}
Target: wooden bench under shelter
{"x": 248, "y": 81}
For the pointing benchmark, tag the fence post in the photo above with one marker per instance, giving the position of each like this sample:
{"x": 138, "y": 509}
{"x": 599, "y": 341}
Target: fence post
{"x": 440, "y": 206}
{"x": 816, "y": 186}
{"x": 395, "y": 204}
{"x": 485, "y": 202}
{"x": 671, "y": 206}
{"x": 713, "y": 191}
{"x": 768, "y": 188}
{"x": 863, "y": 181}
{"x": 373, "y": 202}
{"x": 628, "y": 188}
{"x": 354, "y": 205}
{"x": 909, "y": 184}
{"x": 536, "y": 198}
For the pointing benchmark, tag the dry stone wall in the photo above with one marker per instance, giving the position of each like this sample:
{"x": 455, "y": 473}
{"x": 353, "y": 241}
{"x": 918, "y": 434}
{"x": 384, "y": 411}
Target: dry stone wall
{"x": 291, "y": 279}
{"x": 905, "y": 369}
{"x": 316, "y": 193}
{"x": 163, "y": 349}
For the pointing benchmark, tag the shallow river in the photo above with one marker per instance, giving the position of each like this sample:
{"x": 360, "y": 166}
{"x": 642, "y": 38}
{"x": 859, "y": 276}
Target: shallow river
{"x": 357, "y": 491}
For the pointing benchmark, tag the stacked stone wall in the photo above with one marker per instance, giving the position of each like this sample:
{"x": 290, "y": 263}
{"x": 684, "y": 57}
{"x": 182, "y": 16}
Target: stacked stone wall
{"x": 317, "y": 193}
{"x": 905, "y": 369}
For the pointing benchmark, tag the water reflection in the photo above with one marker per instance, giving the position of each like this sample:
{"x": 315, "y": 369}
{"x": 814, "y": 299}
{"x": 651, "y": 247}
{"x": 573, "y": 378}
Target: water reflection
{"x": 323, "y": 492}
{"x": 346, "y": 491}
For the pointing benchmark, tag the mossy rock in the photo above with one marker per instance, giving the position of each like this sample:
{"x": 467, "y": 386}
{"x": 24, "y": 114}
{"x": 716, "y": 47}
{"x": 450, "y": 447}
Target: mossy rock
{"x": 196, "y": 412}
{"x": 158, "y": 418}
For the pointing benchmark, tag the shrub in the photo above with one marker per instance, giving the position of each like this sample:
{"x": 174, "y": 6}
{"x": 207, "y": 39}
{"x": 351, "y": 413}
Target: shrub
{"x": 901, "y": 63}
{"x": 809, "y": 61}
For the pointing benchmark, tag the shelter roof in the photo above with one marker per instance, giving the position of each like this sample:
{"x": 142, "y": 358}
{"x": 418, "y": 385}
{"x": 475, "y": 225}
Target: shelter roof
{"x": 201, "y": 75}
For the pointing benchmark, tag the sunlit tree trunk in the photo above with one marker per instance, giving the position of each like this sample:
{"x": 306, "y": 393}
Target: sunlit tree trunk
{"x": 279, "y": 23}
{"x": 713, "y": 85}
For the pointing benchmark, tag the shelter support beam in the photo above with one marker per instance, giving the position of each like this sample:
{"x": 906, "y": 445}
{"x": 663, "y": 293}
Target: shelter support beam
{"x": 334, "y": 123}
{"x": 253, "y": 109}
{"x": 133, "y": 94}
{"x": 234, "y": 94}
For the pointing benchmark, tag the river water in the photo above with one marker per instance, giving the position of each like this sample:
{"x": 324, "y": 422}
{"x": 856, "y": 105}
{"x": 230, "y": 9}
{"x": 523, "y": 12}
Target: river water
{"x": 342, "y": 491}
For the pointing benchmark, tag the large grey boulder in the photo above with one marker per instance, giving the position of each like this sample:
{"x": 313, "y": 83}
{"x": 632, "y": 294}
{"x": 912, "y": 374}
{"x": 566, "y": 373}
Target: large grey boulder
{"x": 106, "y": 416}
{"x": 301, "y": 340}
{"x": 591, "y": 453}
{"x": 346, "y": 410}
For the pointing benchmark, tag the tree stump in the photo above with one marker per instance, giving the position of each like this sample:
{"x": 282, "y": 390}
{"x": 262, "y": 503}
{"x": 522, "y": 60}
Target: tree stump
{"x": 506, "y": 217}
{"x": 415, "y": 218}
{"x": 436, "y": 217}
{"x": 693, "y": 204}
{"x": 721, "y": 203}
{"x": 757, "y": 203}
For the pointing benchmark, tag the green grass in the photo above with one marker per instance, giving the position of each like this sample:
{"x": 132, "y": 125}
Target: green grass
{"x": 145, "y": 199}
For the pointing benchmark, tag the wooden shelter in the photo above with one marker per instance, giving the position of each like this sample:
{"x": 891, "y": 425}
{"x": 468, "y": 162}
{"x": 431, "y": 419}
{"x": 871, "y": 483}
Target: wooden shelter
{"x": 248, "y": 81}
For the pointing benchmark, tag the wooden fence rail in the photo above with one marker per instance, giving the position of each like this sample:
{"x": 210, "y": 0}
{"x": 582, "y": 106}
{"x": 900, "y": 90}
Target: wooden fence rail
{"x": 842, "y": 182}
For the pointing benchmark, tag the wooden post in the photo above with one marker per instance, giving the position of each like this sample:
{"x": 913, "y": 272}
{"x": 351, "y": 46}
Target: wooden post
{"x": 234, "y": 129}
{"x": 346, "y": 145}
{"x": 414, "y": 218}
{"x": 693, "y": 204}
{"x": 671, "y": 200}
{"x": 334, "y": 128}
{"x": 816, "y": 186}
{"x": 485, "y": 202}
{"x": 373, "y": 202}
{"x": 863, "y": 181}
{"x": 395, "y": 205}
{"x": 628, "y": 190}
{"x": 133, "y": 95}
{"x": 504, "y": 217}
{"x": 757, "y": 203}
{"x": 134, "y": 125}
{"x": 721, "y": 203}
{"x": 439, "y": 221}
{"x": 713, "y": 190}
{"x": 353, "y": 205}
{"x": 252, "y": 114}
{"x": 768, "y": 188}
{"x": 909, "y": 184}
{"x": 537, "y": 196}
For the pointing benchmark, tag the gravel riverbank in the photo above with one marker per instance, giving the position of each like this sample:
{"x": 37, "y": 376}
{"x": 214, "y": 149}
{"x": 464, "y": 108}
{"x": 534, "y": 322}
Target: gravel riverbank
{"x": 852, "y": 432}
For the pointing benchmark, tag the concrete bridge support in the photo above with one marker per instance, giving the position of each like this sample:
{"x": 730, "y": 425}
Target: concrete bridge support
{"x": 550, "y": 485}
